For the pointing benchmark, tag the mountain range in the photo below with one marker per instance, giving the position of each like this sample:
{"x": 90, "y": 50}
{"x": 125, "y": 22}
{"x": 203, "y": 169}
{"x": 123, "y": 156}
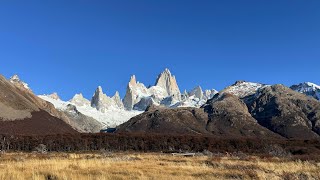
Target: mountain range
{"x": 242, "y": 109}
{"x": 113, "y": 111}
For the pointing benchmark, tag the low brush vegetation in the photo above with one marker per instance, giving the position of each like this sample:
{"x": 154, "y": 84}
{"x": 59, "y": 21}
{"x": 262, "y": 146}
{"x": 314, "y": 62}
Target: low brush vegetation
{"x": 107, "y": 165}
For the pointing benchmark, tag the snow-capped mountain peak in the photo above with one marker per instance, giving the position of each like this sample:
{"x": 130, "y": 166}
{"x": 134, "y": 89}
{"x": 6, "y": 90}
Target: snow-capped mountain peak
{"x": 308, "y": 88}
{"x": 314, "y": 86}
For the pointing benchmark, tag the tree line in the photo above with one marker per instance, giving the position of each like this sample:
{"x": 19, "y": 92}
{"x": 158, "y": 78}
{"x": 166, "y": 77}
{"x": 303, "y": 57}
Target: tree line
{"x": 151, "y": 143}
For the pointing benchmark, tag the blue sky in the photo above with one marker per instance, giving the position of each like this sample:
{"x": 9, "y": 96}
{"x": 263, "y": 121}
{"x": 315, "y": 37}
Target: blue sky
{"x": 74, "y": 46}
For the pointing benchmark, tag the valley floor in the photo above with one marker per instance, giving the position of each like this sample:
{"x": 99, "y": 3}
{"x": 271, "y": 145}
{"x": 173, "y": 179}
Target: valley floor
{"x": 106, "y": 165}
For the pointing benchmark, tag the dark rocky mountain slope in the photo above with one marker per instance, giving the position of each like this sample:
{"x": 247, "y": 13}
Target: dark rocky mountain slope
{"x": 229, "y": 116}
{"x": 286, "y": 112}
{"x": 271, "y": 112}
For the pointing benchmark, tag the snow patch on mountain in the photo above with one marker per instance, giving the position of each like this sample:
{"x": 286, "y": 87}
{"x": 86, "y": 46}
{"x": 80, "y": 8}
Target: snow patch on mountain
{"x": 243, "y": 88}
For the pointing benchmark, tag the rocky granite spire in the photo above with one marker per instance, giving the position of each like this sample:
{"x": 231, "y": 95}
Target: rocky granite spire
{"x": 129, "y": 98}
{"x": 135, "y": 91}
{"x": 97, "y": 97}
{"x": 101, "y": 101}
{"x": 117, "y": 99}
{"x": 168, "y": 82}
{"x": 133, "y": 81}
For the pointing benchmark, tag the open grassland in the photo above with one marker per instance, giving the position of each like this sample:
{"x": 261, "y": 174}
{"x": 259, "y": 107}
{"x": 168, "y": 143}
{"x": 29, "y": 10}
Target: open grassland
{"x": 53, "y": 166}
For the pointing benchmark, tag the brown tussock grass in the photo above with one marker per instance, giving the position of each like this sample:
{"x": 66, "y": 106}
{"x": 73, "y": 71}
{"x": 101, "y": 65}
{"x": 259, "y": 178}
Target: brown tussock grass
{"x": 18, "y": 166}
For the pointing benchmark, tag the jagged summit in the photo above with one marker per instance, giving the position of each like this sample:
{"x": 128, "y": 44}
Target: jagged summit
{"x": 102, "y": 102}
{"x": 165, "y": 92}
{"x": 133, "y": 81}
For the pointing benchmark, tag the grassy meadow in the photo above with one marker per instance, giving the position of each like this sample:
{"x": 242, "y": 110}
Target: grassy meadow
{"x": 100, "y": 166}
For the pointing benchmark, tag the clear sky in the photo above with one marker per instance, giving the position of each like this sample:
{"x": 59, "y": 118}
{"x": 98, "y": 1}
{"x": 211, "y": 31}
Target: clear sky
{"x": 74, "y": 46}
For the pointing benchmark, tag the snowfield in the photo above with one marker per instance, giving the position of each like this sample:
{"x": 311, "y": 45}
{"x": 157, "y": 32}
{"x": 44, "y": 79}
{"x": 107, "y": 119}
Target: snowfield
{"x": 112, "y": 117}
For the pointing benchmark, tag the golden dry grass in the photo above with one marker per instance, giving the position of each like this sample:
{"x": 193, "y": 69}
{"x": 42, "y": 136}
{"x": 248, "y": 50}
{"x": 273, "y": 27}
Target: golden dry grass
{"x": 17, "y": 166}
